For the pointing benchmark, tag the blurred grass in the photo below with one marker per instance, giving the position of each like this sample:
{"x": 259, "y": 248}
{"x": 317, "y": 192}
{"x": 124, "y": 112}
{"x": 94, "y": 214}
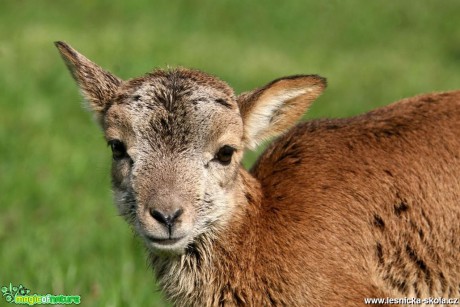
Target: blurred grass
{"x": 59, "y": 232}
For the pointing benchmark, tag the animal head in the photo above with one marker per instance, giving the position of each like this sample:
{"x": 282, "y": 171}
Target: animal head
{"x": 177, "y": 138}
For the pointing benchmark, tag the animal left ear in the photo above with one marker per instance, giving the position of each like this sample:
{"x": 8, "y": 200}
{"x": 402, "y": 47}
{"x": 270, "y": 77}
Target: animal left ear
{"x": 270, "y": 110}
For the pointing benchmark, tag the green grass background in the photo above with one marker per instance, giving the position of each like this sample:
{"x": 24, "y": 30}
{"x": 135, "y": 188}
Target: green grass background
{"x": 59, "y": 232}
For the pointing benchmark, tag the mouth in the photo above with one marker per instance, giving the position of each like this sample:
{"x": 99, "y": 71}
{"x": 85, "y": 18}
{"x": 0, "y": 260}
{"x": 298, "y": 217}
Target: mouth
{"x": 164, "y": 241}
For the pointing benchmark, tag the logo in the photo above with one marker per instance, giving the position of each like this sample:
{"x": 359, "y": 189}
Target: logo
{"x": 21, "y": 295}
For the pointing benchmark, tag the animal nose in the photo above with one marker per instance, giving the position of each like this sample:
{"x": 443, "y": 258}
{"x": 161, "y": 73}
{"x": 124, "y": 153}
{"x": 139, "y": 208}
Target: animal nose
{"x": 167, "y": 219}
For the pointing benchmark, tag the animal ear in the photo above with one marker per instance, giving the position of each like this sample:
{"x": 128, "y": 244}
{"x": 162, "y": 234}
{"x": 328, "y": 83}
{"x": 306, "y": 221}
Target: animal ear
{"x": 270, "y": 110}
{"x": 97, "y": 85}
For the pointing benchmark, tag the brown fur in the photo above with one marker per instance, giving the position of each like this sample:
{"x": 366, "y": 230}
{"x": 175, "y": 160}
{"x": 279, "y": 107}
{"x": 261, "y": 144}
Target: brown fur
{"x": 333, "y": 212}
{"x": 378, "y": 198}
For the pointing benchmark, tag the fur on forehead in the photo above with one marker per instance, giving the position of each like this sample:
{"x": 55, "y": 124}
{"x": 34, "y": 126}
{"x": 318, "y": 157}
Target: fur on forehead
{"x": 165, "y": 105}
{"x": 176, "y": 84}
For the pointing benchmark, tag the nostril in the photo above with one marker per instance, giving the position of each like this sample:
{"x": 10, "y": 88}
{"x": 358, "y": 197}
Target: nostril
{"x": 160, "y": 217}
{"x": 176, "y": 215}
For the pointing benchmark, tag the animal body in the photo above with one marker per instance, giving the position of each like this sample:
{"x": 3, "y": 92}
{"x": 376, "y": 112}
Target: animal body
{"x": 333, "y": 212}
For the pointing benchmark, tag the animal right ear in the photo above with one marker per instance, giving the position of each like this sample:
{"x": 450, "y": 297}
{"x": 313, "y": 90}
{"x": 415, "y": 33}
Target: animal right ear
{"x": 97, "y": 85}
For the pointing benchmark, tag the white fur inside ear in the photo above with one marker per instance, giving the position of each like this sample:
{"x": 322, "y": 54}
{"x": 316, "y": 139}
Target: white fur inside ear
{"x": 262, "y": 115}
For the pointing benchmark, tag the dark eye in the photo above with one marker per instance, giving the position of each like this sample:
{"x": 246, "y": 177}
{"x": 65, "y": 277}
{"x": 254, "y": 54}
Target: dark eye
{"x": 224, "y": 155}
{"x": 118, "y": 149}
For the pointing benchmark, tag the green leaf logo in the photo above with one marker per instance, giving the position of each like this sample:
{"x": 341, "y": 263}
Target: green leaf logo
{"x": 9, "y": 293}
